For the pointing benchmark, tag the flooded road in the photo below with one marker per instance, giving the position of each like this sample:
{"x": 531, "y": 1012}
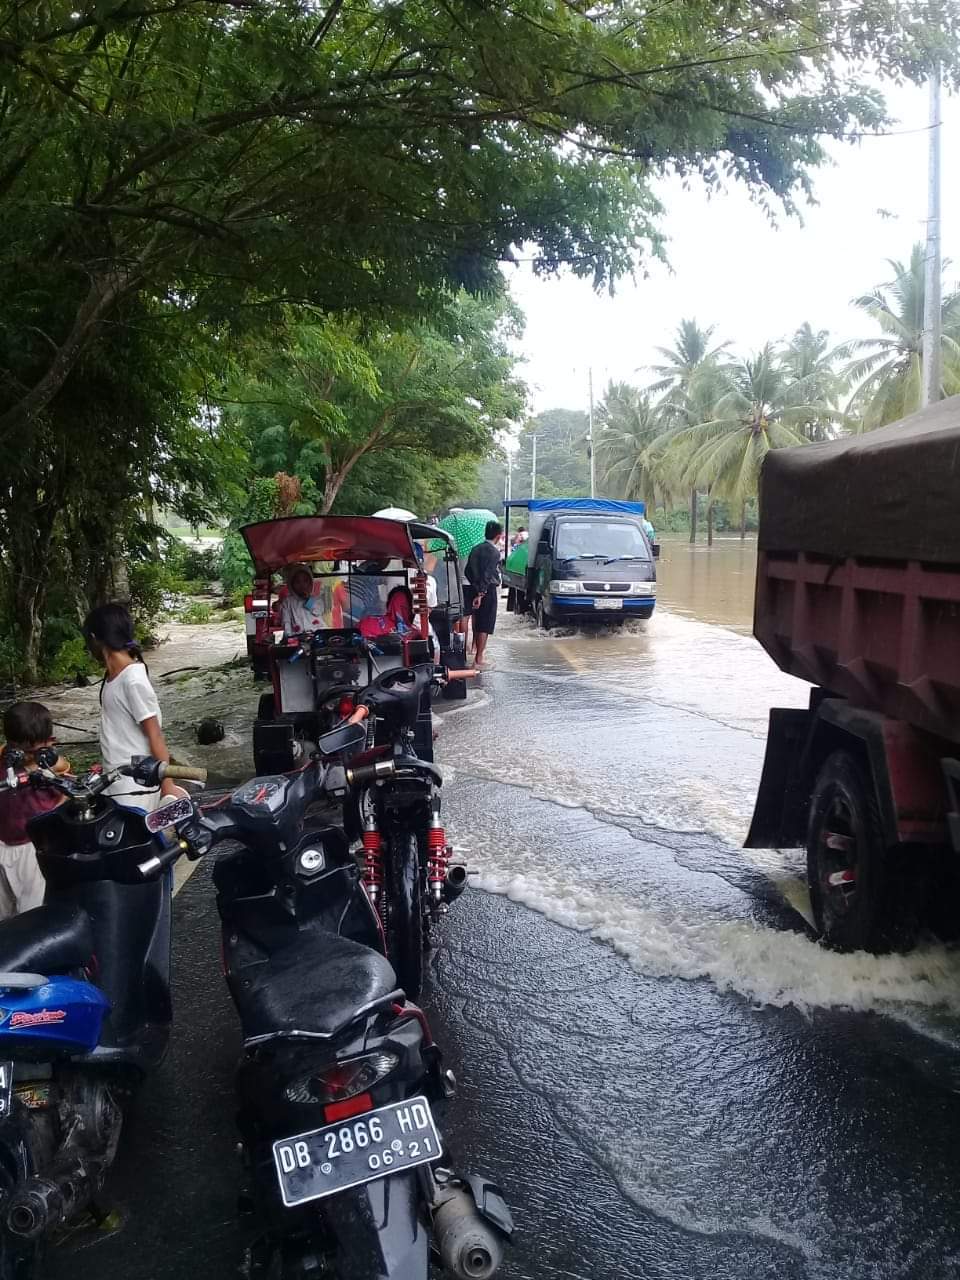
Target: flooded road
{"x": 665, "y": 1072}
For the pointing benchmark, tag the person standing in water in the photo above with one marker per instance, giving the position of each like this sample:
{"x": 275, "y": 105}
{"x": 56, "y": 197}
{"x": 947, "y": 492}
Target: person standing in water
{"x": 130, "y": 717}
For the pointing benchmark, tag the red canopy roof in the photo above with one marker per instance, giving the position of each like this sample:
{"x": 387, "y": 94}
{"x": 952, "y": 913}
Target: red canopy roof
{"x": 275, "y": 543}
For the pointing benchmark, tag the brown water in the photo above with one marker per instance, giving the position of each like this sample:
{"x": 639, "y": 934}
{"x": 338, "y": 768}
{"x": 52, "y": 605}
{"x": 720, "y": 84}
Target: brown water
{"x": 714, "y": 584}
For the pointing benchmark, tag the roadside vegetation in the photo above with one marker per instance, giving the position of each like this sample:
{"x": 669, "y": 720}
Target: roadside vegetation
{"x": 243, "y": 241}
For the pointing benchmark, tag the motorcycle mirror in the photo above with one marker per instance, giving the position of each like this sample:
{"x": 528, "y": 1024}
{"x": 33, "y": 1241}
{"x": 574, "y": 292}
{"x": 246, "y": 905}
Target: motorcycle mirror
{"x": 169, "y": 814}
{"x": 349, "y": 737}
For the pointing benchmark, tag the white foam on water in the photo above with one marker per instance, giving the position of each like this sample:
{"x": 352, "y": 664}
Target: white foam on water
{"x": 769, "y": 966}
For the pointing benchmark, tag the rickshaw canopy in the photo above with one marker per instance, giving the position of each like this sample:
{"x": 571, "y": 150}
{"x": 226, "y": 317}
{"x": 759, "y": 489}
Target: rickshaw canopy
{"x": 275, "y": 543}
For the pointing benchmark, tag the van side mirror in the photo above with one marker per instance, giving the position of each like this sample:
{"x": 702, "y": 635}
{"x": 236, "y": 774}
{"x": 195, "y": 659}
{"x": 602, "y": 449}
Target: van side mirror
{"x": 656, "y": 551}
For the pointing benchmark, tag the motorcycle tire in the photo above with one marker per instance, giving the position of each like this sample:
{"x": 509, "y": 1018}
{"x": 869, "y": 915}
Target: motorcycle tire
{"x": 404, "y": 901}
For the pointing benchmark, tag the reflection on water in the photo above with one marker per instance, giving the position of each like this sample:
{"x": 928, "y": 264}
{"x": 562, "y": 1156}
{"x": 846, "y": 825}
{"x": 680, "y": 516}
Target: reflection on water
{"x": 714, "y": 584}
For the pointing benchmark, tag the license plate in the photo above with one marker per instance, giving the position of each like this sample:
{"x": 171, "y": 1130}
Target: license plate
{"x": 382, "y": 1142}
{"x": 6, "y": 1088}
{"x": 607, "y": 604}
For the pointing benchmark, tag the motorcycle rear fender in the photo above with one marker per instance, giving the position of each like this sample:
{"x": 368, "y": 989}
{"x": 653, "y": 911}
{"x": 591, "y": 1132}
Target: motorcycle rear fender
{"x": 380, "y": 1231}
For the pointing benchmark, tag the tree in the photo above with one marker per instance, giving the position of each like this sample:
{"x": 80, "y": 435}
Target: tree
{"x": 563, "y": 466}
{"x": 885, "y": 370}
{"x": 338, "y": 393}
{"x": 240, "y": 155}
{"x": 812, "y": 367}
{"x": 688, "y": 381}
{"x": 762, "y": 409}
{"x": 630, "y": 424}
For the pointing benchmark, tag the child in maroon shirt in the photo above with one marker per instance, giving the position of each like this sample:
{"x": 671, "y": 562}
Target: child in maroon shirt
{"x": 27, "y": 726}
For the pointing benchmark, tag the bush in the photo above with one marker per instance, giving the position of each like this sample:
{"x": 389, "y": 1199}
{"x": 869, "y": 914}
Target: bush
{"x": 190, "y": 563}
{"x": 236, "y": 567}
{"x": 71, "y": 657}
{"x": 196, "y": 614}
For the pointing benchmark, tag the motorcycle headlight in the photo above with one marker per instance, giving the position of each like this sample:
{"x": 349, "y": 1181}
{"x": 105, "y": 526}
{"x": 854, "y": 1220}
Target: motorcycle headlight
{"x": 564, "y": 586}
{"x": 340, "y": 1080}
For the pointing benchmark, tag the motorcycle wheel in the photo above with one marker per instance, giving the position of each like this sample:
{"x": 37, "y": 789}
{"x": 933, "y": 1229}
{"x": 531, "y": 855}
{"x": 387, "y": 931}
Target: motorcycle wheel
{"x": 404, "y": 900}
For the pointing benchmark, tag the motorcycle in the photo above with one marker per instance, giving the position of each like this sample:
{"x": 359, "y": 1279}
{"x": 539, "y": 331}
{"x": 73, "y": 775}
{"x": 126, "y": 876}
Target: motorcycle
{"x": 339, "y": 1074}
{"x": 85, "y": 1006}
{"x": 392, "y": 803}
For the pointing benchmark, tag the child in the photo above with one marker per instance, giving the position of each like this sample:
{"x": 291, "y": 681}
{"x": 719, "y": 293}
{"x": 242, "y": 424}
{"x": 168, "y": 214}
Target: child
{"x": 130, "y": 719}
{"x": 27, "y": 726}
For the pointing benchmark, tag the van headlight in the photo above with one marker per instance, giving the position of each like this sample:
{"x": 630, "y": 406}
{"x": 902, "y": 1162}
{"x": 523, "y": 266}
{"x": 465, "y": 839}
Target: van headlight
{"x": 564, "y": 586}
{"x": 643, "y": 588}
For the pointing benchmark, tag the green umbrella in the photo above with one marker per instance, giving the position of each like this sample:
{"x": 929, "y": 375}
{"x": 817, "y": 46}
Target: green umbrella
{"x": 467, "y": 528}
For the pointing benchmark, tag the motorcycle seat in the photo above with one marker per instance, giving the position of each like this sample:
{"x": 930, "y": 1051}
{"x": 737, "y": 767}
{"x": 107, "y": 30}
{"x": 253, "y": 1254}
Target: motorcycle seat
{"x": 317, "y": 985}
{"x": 48, "y": 939}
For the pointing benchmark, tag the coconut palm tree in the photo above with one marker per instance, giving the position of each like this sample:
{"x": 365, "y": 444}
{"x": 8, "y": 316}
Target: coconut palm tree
{"x": 886, "y": 369}
{"x": 763, "y": 408}
{"x": 630, "y": 422}
{"x": 687, "y": 371}
{"x": 812, "y": 364}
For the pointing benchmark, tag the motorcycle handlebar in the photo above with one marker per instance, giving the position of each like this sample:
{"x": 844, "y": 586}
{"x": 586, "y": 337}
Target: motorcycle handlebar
{"x": 183, "y": 772}
{"x": 359, "y": 715}
{"x": 160, "y": 861}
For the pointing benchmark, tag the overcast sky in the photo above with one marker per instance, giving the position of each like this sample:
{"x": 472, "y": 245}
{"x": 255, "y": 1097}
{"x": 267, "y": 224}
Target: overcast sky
{"x": 730, "y": 267}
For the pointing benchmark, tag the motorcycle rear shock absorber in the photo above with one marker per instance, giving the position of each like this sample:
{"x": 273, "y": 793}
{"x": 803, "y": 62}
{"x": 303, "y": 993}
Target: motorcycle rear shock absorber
{"x": 373, "y": 862}
{"x": 438, "y": 859}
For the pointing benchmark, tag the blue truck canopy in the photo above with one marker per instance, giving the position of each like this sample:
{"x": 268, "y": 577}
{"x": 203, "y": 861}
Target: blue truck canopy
{"x": 612, "y": 506}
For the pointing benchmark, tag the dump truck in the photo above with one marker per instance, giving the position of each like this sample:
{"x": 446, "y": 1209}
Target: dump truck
{"x": 858, "y": 592}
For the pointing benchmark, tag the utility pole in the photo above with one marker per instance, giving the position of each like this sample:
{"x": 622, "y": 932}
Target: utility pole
{"x": 932, "y": 358}
{"x": 533, "y": 469}
{"x": 593, "y": 461}
{"x": 508, "y": 481}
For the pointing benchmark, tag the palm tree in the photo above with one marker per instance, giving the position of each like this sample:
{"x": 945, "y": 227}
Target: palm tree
{"x": 762, "y": 409}
{"x": 886, "y": 369}
{"x": 685, "y": 364}
{"x": 812, "y": 365}
{"x": 630, "y": 424}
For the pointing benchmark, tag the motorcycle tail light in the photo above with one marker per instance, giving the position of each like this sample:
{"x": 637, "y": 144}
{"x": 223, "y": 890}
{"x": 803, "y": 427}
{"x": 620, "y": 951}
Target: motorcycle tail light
{"x": 342, "y": 1080}
{"x": 248, "y": 604}
{"x": 346, "y": 706}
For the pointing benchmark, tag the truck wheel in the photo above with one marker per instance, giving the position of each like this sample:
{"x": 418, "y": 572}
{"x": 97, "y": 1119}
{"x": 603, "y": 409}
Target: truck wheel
{"x": 544, "y": 620}
{"x": 862, "y": 899}
{"x": 266, "y": 707}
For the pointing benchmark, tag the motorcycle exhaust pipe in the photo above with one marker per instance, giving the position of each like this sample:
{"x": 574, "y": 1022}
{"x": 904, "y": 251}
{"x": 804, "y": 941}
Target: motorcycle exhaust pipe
{"x": 469, "y": 1247}
{"x": 455, "y": 881}
{"x": 45, "y": 1203}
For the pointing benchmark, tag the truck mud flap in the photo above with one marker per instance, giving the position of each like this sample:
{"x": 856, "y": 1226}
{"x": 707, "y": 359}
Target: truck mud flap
{"x": 779, "y": 815}
{"x": 381, "y": 1230}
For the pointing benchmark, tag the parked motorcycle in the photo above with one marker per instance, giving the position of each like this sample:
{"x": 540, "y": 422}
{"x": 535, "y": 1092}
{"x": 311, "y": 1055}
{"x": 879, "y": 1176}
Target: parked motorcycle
{"x": 85, "y": 1004}
{"x": 392, "y": 803}
{"x": 339, "y": 1073}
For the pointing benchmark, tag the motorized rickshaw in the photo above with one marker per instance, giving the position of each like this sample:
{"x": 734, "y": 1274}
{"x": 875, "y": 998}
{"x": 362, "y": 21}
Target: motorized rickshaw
{"x": 316, "y": 677}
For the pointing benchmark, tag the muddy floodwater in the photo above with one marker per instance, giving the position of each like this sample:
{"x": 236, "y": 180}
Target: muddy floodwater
{"x": 668, "y": 1075}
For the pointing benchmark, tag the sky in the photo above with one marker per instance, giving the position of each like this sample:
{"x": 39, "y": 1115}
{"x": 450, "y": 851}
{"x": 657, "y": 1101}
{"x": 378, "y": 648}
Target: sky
{"x": 730, "y": 267}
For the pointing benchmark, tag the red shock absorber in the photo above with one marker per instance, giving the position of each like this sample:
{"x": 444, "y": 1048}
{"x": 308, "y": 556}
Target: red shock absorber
{"x": 438, "y": 856}
{"x": 372, "y": 861}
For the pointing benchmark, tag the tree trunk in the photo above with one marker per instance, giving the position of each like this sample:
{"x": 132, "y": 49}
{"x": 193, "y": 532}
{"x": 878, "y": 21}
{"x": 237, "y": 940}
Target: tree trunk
{"x": 709, "y": 522}
{"x": 743, "y": 522}
{"x": 693, "y": 515}
{"x": 28, "y": 601}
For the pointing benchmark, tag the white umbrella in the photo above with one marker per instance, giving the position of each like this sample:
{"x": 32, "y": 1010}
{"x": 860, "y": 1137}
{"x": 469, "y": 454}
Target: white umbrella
{"x": 395, "y": 513}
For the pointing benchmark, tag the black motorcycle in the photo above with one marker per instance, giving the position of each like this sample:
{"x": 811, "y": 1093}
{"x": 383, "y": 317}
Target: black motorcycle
{"x": 339, "y": 1073}
{"x": 392, "y": 803}
{"x": 85, "y": 1005}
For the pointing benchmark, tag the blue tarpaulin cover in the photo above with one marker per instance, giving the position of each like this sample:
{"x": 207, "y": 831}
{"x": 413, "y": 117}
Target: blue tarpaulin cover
{"x": 609, "y": 505}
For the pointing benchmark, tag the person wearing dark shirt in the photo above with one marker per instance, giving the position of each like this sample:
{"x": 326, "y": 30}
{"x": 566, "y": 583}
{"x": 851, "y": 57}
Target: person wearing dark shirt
{"x": 27, "y": 726}
{"x": 483, "y": 575}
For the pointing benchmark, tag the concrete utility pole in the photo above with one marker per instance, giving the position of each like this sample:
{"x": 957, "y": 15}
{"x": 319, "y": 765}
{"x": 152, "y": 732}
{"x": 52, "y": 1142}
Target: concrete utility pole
{"x": 932, "y": 357}
{"x": 508, "y": 481}
{"x": 533, "y": 469}
{"x": 593, "y": 460}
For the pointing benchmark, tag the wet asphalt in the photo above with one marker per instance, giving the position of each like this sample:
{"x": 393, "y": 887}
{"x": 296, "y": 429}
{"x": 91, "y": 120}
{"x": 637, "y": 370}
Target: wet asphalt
{"x": 666, "y": 1074}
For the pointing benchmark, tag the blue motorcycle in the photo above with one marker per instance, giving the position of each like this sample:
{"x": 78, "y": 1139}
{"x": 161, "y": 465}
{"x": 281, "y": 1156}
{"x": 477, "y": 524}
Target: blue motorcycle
{"x": 85, "y": 1006}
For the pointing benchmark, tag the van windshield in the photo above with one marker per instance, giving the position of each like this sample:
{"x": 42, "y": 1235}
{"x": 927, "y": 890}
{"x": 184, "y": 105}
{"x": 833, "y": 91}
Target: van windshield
{"x": 597, "y": 540}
